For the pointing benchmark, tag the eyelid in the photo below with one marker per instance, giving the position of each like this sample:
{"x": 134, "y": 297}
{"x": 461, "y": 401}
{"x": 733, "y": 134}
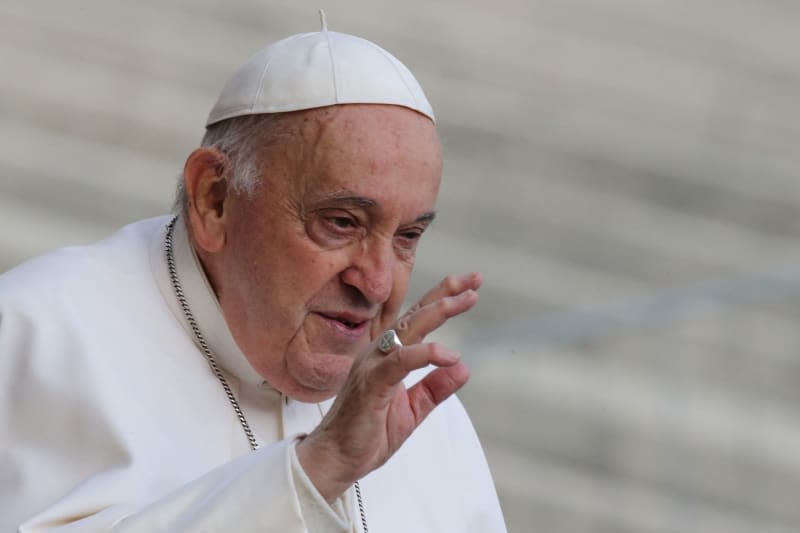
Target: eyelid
{"x": 334, "y": 213}
{"x": 337, "y": 211}
{"x": 331, "y": 217}
{"x": 418, "y": 230}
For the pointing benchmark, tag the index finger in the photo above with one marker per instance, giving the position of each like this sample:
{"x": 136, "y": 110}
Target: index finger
{"x": 450, "y": 286}
{"x": 424, "y": 320}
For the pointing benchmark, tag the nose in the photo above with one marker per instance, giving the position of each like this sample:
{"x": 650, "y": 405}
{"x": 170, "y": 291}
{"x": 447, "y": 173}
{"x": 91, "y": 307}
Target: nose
{"x": 371, "y": 271}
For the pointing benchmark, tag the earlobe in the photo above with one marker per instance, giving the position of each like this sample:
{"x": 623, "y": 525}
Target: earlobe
{"x": 205, "y": 181}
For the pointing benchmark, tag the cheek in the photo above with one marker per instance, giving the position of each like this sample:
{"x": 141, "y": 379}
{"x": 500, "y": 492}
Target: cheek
{"x": 320, "y": 268}
{"x": 314, "y": 277}
{"x": 303, "y": 266}
{"x": 325, "y": 263}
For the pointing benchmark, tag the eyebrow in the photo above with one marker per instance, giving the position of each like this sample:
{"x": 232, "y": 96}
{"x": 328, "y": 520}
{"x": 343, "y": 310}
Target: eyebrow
{"x": 347, "y": 198}
{"x": 427, "y": 217}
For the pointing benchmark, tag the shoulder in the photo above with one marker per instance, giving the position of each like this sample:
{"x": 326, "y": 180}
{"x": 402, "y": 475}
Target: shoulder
{"x": 84, "y": 326}
{"x": 56, "y": 307}
{"x": 76, "y": 268}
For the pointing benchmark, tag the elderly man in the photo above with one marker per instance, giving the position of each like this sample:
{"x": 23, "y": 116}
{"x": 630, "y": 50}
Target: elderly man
{"x": 181, "y": 375}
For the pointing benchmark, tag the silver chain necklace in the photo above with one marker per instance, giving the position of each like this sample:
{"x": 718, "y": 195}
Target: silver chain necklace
{"x": 187, "y": 312}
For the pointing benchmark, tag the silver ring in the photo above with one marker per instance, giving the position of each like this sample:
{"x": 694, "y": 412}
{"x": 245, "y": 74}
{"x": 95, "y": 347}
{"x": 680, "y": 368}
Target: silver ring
{"x": 389, "y": 341}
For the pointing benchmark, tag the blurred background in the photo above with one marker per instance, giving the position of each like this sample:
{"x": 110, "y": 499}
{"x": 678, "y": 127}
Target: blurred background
{"x": 625, "y": 173}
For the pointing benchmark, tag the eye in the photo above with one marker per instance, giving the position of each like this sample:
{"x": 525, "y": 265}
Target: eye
{"x": 406, "y": 240}
{"x": 411, "y": 235}
{"x": 334, "y": 227}
{"x": 342, "y": 222}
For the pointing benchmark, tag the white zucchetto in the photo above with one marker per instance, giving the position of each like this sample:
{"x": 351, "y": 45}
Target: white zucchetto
{"x": 318, "y": 69}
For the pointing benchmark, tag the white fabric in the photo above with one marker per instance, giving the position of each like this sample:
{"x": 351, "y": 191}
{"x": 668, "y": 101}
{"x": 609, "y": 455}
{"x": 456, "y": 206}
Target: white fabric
{"x": 113, "y": 421}
{"x": 318, "y": 69}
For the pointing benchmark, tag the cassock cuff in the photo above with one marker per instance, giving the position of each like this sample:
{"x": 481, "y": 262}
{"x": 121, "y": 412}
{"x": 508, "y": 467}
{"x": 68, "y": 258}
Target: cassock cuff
{"x": 318, "y": 514}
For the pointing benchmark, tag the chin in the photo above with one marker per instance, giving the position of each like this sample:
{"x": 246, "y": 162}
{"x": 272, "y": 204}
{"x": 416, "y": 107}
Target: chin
{"x": 317, "y": 376}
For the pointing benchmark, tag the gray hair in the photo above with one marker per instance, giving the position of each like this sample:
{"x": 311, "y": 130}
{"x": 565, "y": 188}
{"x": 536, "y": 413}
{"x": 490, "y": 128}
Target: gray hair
{"x": 243, "y": 140}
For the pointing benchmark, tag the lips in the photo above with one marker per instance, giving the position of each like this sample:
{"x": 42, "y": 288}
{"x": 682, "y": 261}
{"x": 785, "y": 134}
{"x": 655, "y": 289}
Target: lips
{"x": 350, "y": 321}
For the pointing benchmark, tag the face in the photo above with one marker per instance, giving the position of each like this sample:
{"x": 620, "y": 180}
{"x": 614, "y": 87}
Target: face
{"x": 316, "y": 263}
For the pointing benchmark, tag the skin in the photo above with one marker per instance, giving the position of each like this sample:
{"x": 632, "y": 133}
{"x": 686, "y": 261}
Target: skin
{"x": 315, "y": 265}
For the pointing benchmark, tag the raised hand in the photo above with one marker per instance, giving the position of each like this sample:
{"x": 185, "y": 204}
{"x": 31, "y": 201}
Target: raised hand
{"x": 374, "y": 413}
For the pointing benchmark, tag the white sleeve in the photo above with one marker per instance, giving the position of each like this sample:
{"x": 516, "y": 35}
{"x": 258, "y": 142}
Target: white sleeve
{"x": 254, "y": 493}
{"x": 318, "y": 514}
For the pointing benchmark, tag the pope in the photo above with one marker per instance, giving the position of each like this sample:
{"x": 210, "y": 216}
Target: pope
{"x": 243, "y": 365}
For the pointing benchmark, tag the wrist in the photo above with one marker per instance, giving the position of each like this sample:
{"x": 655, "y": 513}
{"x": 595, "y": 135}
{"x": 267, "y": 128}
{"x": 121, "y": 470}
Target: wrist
{"x": 329, "y": 476}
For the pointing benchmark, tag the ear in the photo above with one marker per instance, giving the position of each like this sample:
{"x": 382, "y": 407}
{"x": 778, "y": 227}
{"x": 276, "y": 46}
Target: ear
{"x": 206, "y": 185}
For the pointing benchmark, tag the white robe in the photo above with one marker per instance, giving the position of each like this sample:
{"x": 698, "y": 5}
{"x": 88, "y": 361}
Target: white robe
{"x": 111, "y": 420}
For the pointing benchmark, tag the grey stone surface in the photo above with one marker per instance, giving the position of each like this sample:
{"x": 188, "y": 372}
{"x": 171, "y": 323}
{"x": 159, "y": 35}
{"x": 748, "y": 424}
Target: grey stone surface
{"x": 625, "y": 174}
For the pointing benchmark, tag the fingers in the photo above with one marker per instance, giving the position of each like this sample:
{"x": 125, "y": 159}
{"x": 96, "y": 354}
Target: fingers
{"x": 435, "y": 388}
{"x": 448, "y": 288}
{"x": 451, "y": 286}
{"x": 452, "y": 296}
{"x": 428, "y": 318}
{"x": 394, "y": 367}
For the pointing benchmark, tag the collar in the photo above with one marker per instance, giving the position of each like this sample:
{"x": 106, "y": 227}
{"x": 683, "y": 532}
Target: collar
{"x": 201, "y": 299}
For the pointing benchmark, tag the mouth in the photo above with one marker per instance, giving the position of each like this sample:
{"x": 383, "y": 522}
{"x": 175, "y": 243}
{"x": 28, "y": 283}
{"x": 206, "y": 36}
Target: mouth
{"x": 347, "y": 320}
{"x": 347, "y": 323}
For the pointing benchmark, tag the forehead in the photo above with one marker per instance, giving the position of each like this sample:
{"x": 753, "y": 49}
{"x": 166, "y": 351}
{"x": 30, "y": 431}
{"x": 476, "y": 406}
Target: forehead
{"x": 388, "y": 154}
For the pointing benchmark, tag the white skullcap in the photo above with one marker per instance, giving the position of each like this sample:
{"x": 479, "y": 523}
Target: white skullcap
{"x": 318, "y": 69}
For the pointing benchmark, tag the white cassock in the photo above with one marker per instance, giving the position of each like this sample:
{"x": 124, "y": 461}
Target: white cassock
{"x": 111, "y": 419}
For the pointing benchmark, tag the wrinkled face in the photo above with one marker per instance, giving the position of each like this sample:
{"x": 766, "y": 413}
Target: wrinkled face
{"x": 317, "y": 262}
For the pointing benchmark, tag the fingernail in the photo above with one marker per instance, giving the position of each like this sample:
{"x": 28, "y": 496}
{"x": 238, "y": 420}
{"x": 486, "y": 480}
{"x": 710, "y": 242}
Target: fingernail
{"x": 453, "y": 356}
{"x": 467, "y": 294}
